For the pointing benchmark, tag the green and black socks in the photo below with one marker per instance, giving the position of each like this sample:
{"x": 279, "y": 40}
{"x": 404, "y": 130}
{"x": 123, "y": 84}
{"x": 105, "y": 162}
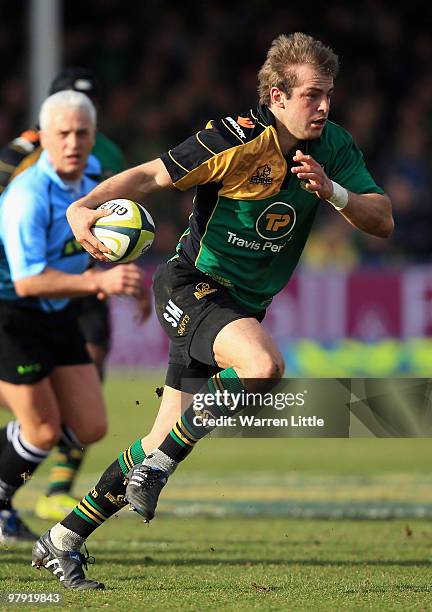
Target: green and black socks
{"x": 192, "y": 425}
{"x": 107, "y": 496}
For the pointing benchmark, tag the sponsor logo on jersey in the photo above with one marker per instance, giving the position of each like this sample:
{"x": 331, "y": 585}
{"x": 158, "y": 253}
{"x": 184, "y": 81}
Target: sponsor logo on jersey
{"x": 255, "y": 245}
{"x": 172, "y": 314}
{"x": 29, "y": 368}
{"x": 183, "y": 324}
{"x": 262, "y": 176}
{"x": 276, "y": 221}
{"x": 203, "y": 289}
{"x": 236, "y": 126}
{"x": 222, "y": 280}
{"x": 246, "y": 122}
{"x": 72, "y": 247}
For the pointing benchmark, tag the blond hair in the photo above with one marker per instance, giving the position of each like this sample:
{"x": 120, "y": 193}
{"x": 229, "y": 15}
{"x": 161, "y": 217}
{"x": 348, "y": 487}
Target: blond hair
{"x": 288, "y": 52}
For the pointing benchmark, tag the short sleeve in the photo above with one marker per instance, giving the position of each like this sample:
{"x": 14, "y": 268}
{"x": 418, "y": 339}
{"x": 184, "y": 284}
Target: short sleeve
{"x": 204, "y": 157}
{"x": 25, "y": 221}
{"x": 349, "y": 169}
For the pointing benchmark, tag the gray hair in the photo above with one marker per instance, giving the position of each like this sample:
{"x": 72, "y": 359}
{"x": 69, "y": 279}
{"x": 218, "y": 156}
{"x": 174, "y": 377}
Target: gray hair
{"x": 66, "y": 99}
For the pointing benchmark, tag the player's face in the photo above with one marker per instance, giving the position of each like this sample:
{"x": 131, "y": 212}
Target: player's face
{"x": 68, "y": 138}
{"x": 305, "y": 112}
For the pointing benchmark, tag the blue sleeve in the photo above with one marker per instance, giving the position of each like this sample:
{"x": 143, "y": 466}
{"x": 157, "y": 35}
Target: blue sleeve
{"x": 25, "y": 227}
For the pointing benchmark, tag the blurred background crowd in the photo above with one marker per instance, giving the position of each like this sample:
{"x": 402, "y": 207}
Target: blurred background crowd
{"x": 165, "y": 69}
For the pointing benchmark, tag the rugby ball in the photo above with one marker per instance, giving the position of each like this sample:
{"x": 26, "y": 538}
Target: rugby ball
{"x": 128, "y": 231}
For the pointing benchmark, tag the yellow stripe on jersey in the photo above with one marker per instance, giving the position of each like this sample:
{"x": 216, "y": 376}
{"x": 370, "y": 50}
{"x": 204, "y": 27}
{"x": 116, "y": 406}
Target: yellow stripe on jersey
{"x": 204, "y": 145}
{"x": 176, "y": 162}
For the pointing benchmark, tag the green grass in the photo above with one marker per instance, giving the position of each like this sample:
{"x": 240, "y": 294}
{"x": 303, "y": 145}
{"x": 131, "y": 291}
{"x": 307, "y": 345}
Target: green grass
{"x": 244, "y": 564}
{"x": 214, "y": 556}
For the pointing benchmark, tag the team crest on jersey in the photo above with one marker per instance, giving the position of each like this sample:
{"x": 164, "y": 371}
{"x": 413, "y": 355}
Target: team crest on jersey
{"x": 262, "y": 176}
{"x": 203, "y": 289}
{"x": 276, "y": 221}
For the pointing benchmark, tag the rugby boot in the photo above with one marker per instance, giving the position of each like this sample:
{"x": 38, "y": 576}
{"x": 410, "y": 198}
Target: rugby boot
{"x": 13, "y": 528}
{"x": 143, "y": 489}
{"x": 67, "y": 566}
{"x": 55, "y": 507}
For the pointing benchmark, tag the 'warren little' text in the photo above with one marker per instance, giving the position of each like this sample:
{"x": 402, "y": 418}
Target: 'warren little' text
{"x": 252, "y": 421}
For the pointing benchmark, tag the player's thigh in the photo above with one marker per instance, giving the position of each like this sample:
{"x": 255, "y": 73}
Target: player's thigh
{"x": 246, "y": 346}
{"x": 36, "y": 408}
{"x": 95, "y": 325}
{"x": 94, "y": 319}
{"x": 3, "y": 402}
{"x": 81, "y": 403}
{"x": 98, "y": 354}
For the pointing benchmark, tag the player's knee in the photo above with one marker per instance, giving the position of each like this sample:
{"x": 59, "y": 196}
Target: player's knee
{"x": 93, "y": 432}
{"x": 45, "y": 436}
{"x": 267, "y": 366}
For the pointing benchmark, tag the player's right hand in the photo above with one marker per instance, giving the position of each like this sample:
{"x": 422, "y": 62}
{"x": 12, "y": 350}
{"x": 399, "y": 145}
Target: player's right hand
{"x": 81, "y": 219}
{"x": 123, "y": 279}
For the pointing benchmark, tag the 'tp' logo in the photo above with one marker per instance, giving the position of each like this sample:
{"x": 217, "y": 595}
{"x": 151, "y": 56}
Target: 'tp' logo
{"x": 276, "y": 221}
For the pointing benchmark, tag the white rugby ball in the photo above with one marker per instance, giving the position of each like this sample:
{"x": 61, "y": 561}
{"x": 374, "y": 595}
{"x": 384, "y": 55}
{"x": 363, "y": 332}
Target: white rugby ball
{"x": 128, "y": 231}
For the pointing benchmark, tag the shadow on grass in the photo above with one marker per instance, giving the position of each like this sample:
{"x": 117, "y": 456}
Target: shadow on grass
{"x": 104, "y": 559}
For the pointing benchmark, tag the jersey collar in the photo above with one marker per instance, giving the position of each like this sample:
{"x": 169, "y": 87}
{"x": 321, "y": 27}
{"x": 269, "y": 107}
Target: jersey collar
{"x": 266, "y": 116}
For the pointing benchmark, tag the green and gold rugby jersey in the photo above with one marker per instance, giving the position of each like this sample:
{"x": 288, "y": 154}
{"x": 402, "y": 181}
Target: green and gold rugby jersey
{"x": 251, "y": 216}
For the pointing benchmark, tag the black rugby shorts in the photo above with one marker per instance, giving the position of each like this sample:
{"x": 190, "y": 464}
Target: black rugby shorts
{"x": 33, "y": 343}
{"x": 94, "y": 320}
{"x": 192, "y": 309}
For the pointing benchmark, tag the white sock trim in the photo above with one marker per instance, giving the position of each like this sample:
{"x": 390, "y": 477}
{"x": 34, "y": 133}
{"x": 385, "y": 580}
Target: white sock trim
{"x": 26, "y": 450}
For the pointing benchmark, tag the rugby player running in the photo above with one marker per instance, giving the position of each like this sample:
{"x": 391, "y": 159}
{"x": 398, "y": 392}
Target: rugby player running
{"x": 259, "y": 180}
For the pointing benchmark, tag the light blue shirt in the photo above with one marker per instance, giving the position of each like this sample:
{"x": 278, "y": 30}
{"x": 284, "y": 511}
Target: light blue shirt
{"x": 34, "y": 232}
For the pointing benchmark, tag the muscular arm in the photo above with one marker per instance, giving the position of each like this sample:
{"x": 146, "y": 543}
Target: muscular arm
{"x": 134, "y": 184}
{"x": 370, "y": 212}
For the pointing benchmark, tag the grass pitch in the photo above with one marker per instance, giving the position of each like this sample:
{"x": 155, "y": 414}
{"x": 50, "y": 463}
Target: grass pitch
{"x": 246, "y": 564}
{"x": 226, "y": 535}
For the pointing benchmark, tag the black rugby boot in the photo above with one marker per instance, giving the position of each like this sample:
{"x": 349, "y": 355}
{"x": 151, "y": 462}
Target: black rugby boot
{"x": 67, "y": 566}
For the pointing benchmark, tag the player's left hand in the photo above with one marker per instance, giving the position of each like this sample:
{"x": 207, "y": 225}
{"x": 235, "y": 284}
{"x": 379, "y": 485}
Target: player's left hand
{"x": 312, "y": 172}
